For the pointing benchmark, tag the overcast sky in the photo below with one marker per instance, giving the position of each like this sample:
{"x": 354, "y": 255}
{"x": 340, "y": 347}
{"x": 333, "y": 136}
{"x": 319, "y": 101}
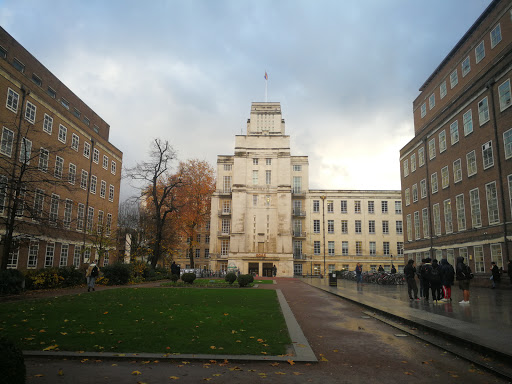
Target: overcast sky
{"x": 345, "y": 72}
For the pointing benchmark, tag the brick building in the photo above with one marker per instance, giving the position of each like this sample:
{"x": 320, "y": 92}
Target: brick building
{"x": 456, "y": 172}
{"x": 56, "y": 164}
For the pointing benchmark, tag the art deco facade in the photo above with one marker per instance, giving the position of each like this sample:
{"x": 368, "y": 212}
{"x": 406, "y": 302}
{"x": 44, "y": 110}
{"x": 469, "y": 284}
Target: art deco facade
{"x": 264, "y": 215}
{"x": 457, "y": 170}
{"x": 69, "y": 190}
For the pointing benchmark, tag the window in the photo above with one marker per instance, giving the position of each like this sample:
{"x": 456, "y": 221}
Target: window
{"x": 330, "y": 206}
{"x": 415, "y": 193}
{"x": 108, "y": 225}
{"x": 25, "y": 150}
{"x": 344, "y": 206}
{"x": 18, "y": 65}
{"x": 316, "y": 205}
{"x": 385, "y": 227}
{"x": 471, "y": 163}
{"x": 59, "y": 167}
{"x": 72, "y": 173}
{"x": 80, "y": 217}
{"x": 33, "y": 250}
{"x": 433, "y": 182}
{"x": 297, "y": 168}
{"x": 316, "y": 226}
{"x": 96, "y": 156}
{"x": 87, "y": 149}
{"x": 399, "y": 227}
{"x": 442, "y": 141}
{"x": 111, "y": 193}
{"x": 384, "y": 206}
{"x": 476, "y": 215}
{"x": 454, "y": 79}
{"x": 254, "y": 200}
{"x": 385, "y": 246}
{"x": 113, "y": 167}
{"x": 432, "y": 148}
{"x": 413, "y": 162}
{"x": 448, "y": 223}
{"x": 492, "y": 203}
{"x": 64, "y": 103}
{"x": 371, "y": 207}
{"x": 54, "y": 209}
{"x": 417, "y": 234}
{"x": 442, "y": 89}
{"x": 68, "y": 210}
{"x": 373, "y": 248}
{"x": 48, "y": 124}
{"x": 316, "y": 247}
{"x": 432, "y": 101}
{"x": 268, "y": 177}
{"x": 50, "y": 91}
{"x": 344, "y": 248}
{"x": 423, "y": 109}
{"x": 424, "y": 219}
{"x": 38, "y": 203}
{"x": 83, "y": 180}
{"x": 466, "y": 66}
{"x": 421, "y": 157}
{"x": 371, "y": 226}
{"x": 87, "y": 255}
{"x": 504, "y": 95}
{"x": 344, "y": 227}
{"x": 436, "y": 213}
{"x": 63, "y": 131}
{"x": 454, "y": 132}
{"x": 461, "y": 213}
{"x": 479, "y": 52}
{"x": 483, "y": 111}
{"x": 408, "y": 221}
{"x": 105, "y": 163}
{"x": 359, "y": 248}
{"x": 226, "y": 184}
{"x": 407, "y": 197}
{"x": 468, "y": 122}
{"x": 457, "y": 171}
{"x": 423, "y": 188}
{"x": 297, "y": 184}
{"x": 226, "y": 226}
{"x": 30, "y": 112}
{"x": 487, "y": 156}
{"x": 254, "y": 161}
{"x": 268, "y": 161}
{"x": 12, "y": 100}
{"x": 445, "y": 177}
{"x": 507, "y": 143}
{"x": 7, "y": 142}
{"x": 398, "y": 207}
{"x": 496, "y": 255}
{"x": 495, "y": 36}
{"x": 86, "y": 121}
{"x": 50, "y": 252}
{"x": 43, "y": 159}
{"x": 357, "y": 206}
{"x": 358, "y": 226}
{"x": 94, "y": 181}
{"x": 330, "y": 247}
{"x": 76, "y": 112}
{"x": 76, "y": 256}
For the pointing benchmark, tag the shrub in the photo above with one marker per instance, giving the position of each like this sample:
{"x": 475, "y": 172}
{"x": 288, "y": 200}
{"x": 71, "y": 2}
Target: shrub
{"x": 11, "y": 281}
{"x": 12, "y": 363}
{"x": 174, "y": 278}
{"x": 117, "y": 273}
{"x": 138, "y": 271}
{"x": 251, "y": 278}
{"x": 188, "y": 277}
{"x": 43, "y": 279}
{"x": 244, "y": 280}
{"x": 71, "y": 276}
{"x": 230, "y": 277}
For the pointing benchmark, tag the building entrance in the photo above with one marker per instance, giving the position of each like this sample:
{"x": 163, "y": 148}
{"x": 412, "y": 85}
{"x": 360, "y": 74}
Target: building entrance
{"x": 268, "y": 269}
{"x": 254, "y": 268}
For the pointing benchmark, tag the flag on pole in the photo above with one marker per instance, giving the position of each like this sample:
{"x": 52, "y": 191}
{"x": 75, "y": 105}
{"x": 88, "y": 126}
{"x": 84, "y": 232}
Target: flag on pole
{"x": 266, "y": 76}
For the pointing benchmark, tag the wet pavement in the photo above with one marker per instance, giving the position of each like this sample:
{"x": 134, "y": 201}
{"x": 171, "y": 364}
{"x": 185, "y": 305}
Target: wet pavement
{"x": 485, "y": 322}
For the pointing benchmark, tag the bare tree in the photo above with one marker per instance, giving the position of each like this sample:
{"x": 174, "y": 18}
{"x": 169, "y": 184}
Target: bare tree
{"x": 157, "y": 190}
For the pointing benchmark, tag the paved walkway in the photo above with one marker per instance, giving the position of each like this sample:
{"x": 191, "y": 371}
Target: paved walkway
{"x": 485, "y": 323}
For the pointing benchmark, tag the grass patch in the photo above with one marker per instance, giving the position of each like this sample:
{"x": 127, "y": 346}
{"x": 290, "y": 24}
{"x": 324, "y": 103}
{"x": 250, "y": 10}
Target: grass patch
{"x": 213, "y": 283}
{"x": 263, "y": 281}
{"x": 156, "y": 320}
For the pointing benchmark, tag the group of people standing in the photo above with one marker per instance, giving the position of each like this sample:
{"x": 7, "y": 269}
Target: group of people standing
{"x": 437, "y": 278}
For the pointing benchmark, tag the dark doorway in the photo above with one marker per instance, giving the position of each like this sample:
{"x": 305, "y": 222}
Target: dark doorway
{"x": 268, "y": 269}
{"x": 254, "y": 268}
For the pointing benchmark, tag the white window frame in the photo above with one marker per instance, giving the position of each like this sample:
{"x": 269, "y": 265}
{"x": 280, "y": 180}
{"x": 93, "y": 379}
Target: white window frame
{"x": 84, "y": 179}
{"x": 431, "y": 101}
{"x": 48, "y": 124}
{"x": 454, "y": 79}
{"x": 96, "y": 156}
{"x": 113, "y": 167}
{"x": 425, "y": 223}
{"x": 448, "y": 218}
{"x": 442, "y": 141}
{"x": 442, "y": 89}
{"x": 423, "y": 110}
{"x": 30, "y": 112}
{"x": 103, "y": 189}
{"x": 487, "y": 155}
{"x": 423, "y": 188}
{"x": 457, "y": 171}
{"x": 421, "y": 157}
{"x": 507, "y": 143}
{"x": 75, "y": 142}
{"x": 87, "y": 149}
{"x": 467, "y": 120}
{"x": 483, "y": 111}
{"x": 471, "y": 163}
{"x": 72, "y": 174}
{"x": 461, "y": 212}
{"x": 12, "y": 101}
{"x": 480, "y": 52}
{"x": 94, "y": 181}
{"x": 105, "y": 162}
{"x": 432, "y": 148}
{"x": 25, "y": 150}
{"x": 111, "y": 193}
{"x": 44, "y": 156}
{"x": 434, "y": 183}
{"x": 59, "y": 167}
{"x": 504, "y": 95}
{"x": 63, "y": 132}
{"x": 476, "y": 212}
{"x": 454, "y": 132}
{"x": 491, "y": 197}
{"x": 445, "y": 177}
{"x": 495, "y": 35}
{"x": 436, "y": 215}
{"x": 466, "y": 66}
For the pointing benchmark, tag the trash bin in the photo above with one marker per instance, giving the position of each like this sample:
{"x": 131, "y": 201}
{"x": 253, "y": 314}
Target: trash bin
{"x": 333, "y": 280}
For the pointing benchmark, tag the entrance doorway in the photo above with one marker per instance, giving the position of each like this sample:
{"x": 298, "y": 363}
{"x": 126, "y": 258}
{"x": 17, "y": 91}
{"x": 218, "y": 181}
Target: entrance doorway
{"x": 254, "y": 268}
{"x": 268, "y": 269}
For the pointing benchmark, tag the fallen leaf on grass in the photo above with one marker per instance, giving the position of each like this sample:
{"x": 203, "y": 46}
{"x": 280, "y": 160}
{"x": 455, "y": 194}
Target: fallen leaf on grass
{"x": 217, "y": 374}
{"x": 49, "y": 348}
{"x": 136, "y": 373}
{"x": 213, "y": 347}
{"x": 39, "y": 375}
{"x": 297, "y": 373}
{"x": 274, "y": 364}
{"x": 60, "y": 372}
{"x": 173, "y": 377}
{"x": 280, "y": 373}
{"x": 291, "y": 362}
{"x": 408, "y": 373}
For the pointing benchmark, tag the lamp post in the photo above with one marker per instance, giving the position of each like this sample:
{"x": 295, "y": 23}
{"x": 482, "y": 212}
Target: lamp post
{"x": 323, "y": 225}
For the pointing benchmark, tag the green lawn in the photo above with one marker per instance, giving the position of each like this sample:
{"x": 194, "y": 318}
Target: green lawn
{"x": 158, "y": 320}
{"x": 213, "y": 283}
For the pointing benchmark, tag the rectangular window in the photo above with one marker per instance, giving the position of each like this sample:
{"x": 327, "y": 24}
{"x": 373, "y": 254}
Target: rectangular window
{"x": 442, "y": 89}
{"x": 436, "y": 213}
{"x": 371, "y": 226}
{"x": 297, "y": 184}
{"x": 3, "y": 193}
{"x": 76, "y": 256}
{"x": 423, "y": 109}
{"x": 425, "y": 223}
{"x": 50, "y": 252}
{"x": 385, "y": 227}
{"x": 113, "y": 167}
{"x": 330, "y": 226}
{"x": 7, "y": 142}
{"x": 406, "y": 167}
{"x": 54, "y": 209}
{"x": 12, "y": 261}
{"x": 330, "y": 206}
{"x": 492, "y": 203}
{"x": 479, "y": 52}
{"x": 99, "y": 226}
{"x": 471, "y": 163}
{"x": 268, "y": 177}
{"x": 94, "y": 180}
{"x": 476, "y": 215}
{"x": 461, "y": 212}
{"x": 87, "y": 255}
{"x": 108, "y": 225}
{"x": 504, "y": 95}
{"x": 445, "y": 177}
{"x": 105, "y": 163}
{"x": 87, "y": 150}
{"x": 48, "y": 124}
{"x": 316, "y": 226}
{"x": 18, "y": 65}
{"x": 432, "y": 101}
{"x": 63, "y": 132}
{"x": 64, "y": 251}
{"x": 50, "y": 91}
{"x": 80, "y": 217}
{"x": 398, "y": 207}
{"x": 479, "y": 258}
{"x": 43, "y": 159}
{"x": 468, "y": 122}
{"x": 254, "y": 161}
{"x": 64, "y": 103}
{"x": 83, "y": 179}
{"x": 96, "y": 156}
{"x": 433, "y": 182}
{"x": 344, "y": 227}
{"x": 399, "y": 249}
{"x": 59, "y": 167}
{"x": 357, "y": 206}
{"x": 30, "y": 112}
{"x": 496, "y": 255}
{"x": 38, "y": 203}
{"x": 268, "y": 161}
{"x": 359, "y": 248}
{"x": 68, "y": 210}
{"x": 75, "y": 142}
{"x": 316, "y": 205}
{"x": 358, "y": 226}
{"x": 507, "y": 143}
{"x": 297, "y": 168}
{"x": 330, "y": 248}
{"x": 254, "y": 200}
{"x": 408, "y": 222}
{"x": 442, "y": 141}
{"x": 33, "y": 251}
{"x": 415, "y": 193}
{"x": 483, "y": 111}
{"x": 487, "y": 156}
{"x": 226, "y": 184}
{"x": 384, "y": 206}
{"x": 417, "y": 234}
{"x": 457, "y": 171}
{"x": 423, "y": 188}
{"x": 316, "y": 247}
{"x": 385, "y": 246}
{"x": 413, "y": 162}
{"x": 448, "y": 222}
{"x": 111, "y": 193}
{"x": 454, "y": 79}
{"x": 466, "y": 66}
{"x": 373, "y": 248}
{"x": 432, "y": 148}
{"x": 12, "y": 100}
{"x": 25, "y": 150}
{"x": 407, "y": 197}
{"x": 344, "y": 248}
{"x": 72, "y": 173}
{"x": 421, "y": 157}
{"x": 454, "y": 132}
{"x": 495, "y": 36}
{"x": 90, "y": 219}
{"x": 399, "y": 227}
{"x": 344, "y": 206}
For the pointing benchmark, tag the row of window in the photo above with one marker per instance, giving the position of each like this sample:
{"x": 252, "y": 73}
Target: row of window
{"x": 345, "y": 224}
{"x": 30, "y": 116}
{"x": 495, "y": 37}
{"x": 50, "y": 259}
{"x": 345, "y": 249}
{"x": 493, "y": 216}
{"x": 357, "y": 206}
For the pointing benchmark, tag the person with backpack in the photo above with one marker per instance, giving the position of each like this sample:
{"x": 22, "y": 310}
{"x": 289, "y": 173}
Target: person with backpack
{"x": 434, "y": 278}
{"x": 410, "y": 274}
{"x": 495, "y": 277}
{"x": 426, "y": 269}
{"x": 464, "y": 275}
{"x": 420, "y": 278}
{"x": 447, "y": 278}
{"x": 91, "y": 275}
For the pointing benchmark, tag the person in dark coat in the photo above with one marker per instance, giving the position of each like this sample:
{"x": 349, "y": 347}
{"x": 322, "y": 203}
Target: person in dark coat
{"x": 496, "y": 277}
{"x": 447, "y": 279}
{"x": 463, "y": 273}
{"x": 435, "y": 281}
{"x": 393, "y": 269}
{"x": 426, "y": 268}
{"x": 174, "y": 269}
{"x": 410, "y": 274}
{"x": 420, "y": 277}
{"x": 509, "y": 270}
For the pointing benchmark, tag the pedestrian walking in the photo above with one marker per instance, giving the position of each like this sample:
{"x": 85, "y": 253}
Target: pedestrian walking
{"x": 425, "y": 273}
{"x": 92, "y": 273}
{"x": 274, "y": 270}
{"x": 381, "y": 269}
{"x": 435, "y": 281}
{"x": 174, "y": 269}
{"x": 359, "y": 273}
{"x": 464, "y": 275}
{"x": 393, "y": 269}
{"x": 447, "y": 279}
{"x": 495, "y": 277}
{"x": 410, "y": 274}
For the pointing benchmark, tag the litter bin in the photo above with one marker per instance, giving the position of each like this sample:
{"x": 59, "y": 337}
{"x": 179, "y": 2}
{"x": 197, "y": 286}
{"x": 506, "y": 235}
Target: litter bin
{"x": 333, "y": 280}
